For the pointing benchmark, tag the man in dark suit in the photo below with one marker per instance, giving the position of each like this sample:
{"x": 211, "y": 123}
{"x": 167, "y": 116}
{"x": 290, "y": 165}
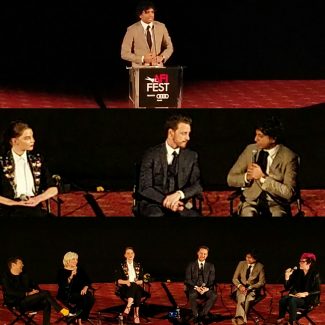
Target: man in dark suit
{"x": 248, "y": 278}
{"x": 267, "y": 171}
{"x": 170, "y": 174}
{"x": 199, "y": 282}
{"x": 24, "y": 180}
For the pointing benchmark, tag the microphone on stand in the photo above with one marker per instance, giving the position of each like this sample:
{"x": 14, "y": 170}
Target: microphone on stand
{"x": 254, "y": 156}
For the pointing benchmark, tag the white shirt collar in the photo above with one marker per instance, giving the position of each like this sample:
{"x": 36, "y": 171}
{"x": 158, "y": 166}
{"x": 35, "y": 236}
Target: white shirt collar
{"x": 18, "y": 157}
{"x": 272, "y": 152}
{"x": 144, "y": 25}
{"x": 170, "y": 150}
{"x": 203, "y": 262}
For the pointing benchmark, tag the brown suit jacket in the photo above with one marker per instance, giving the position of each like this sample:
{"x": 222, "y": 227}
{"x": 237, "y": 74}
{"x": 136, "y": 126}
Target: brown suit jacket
{"x": 257, "y": 278}
{"x": 280, "y": 184}
{"x": 135, "y": 46}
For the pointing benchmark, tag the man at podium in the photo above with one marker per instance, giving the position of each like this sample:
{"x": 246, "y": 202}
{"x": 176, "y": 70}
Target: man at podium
{"x": 147, "y": 42}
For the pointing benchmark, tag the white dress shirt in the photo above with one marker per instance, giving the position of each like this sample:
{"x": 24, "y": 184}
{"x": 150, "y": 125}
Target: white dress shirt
{"x": 131, "y": 272}
{"x": 23, "y": 176}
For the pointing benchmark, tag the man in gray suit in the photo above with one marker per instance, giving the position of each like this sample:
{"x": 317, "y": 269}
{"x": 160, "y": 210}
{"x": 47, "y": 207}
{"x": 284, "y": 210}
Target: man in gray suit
{"x": 170, "y": 174}
{"x": 267, "y": 171}
{"x": 200, "y": 282}
{"x": 147, "y": 42}
{"x": 248, "y": 278}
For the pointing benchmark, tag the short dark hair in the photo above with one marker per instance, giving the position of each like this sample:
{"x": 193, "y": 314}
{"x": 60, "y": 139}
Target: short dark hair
{"x": 203, "y": 247}
{"x": 272, "y": 127}
{"x": 13, "y": 260}
{"x": 173, "y": 121}
{"x": 252, "y": 252}
{"x": 129, "y": 247}
{"x": 143, "y": 6}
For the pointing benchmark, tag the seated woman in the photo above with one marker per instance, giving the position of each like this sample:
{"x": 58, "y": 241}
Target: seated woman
{"x": 130, "y": 280}
{"x": 74, "y": 286}
{"x": 25, "y": 182}
{"x": 303, "y": 285}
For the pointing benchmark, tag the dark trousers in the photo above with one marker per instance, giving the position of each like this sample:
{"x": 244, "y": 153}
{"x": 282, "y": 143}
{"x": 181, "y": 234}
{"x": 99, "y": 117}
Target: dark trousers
{"x": 41, "y": 301}
{"x": 83, "y": 302}
{"x": 22, "y": 212}
{"x": 210, "y": 297}
{"x": 291, "y": 304}
{"x": 134, "y": 291}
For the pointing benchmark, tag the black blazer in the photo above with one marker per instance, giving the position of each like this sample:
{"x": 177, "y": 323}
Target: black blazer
{"x": 192, "y": 275}
{"x": 79, "y": 281}
{"x": 299, "y": 282}
{"x": 41, "y": 183}
{"x": 16, "y": 286}
{"x": 122, "y": 271}
{"x": 153, "y": 174}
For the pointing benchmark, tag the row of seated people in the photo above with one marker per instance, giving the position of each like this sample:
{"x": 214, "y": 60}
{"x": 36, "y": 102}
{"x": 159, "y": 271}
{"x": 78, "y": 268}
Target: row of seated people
{"x": 169, "y": 176}
{"x": 303, "y": 285}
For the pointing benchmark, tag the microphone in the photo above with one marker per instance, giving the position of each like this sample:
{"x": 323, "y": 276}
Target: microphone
{"x": 154, "y": 39}
{"x": 254, "y": 156}
{"x": 57, "y": 179}
{"x": 295, "y": 268}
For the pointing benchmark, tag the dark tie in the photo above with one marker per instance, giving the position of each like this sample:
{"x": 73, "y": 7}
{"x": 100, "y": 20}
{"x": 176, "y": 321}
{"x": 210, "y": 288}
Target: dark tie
{"x": 200, "y": 279}
{"x": 173, "y": 166}
{"x": 149, "y": 40}
{"x": 201, "y": 267}
{"x": 248, "y": 272}
{"x": 262, "y": 160}
{"x": 172, "y": 173}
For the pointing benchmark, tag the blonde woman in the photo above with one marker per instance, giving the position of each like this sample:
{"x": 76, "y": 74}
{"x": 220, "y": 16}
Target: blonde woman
{"x": 74, "y": 285}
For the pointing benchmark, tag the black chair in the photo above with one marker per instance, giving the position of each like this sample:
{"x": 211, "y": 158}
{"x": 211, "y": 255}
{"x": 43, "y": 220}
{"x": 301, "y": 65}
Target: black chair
{"x": 238, "y": 194}
{"x": 195, "y": 202}
{"x": 252, "y": 313}
{"x": 304, "y": 312}
{"x": 146, "y": 294}
{"x": 201, "y": 300}
{"x": 25, "y": 316}
{"x": 73, "y": 319}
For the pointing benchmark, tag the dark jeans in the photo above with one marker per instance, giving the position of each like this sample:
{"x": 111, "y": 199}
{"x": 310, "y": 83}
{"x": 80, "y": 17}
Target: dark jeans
{"x": 210, "y": 297}
{"x": 40, "y": 301}
{"x": 83, "y": 302}
{"x": 291, "y": 304}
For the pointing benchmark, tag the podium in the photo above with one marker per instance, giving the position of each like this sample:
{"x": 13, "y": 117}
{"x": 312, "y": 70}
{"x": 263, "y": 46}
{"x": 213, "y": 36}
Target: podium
{"x": 155, "y": 87}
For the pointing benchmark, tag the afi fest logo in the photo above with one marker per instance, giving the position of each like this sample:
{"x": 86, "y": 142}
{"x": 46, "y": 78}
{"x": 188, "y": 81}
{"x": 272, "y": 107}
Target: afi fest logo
{"x": 158, "y": 86}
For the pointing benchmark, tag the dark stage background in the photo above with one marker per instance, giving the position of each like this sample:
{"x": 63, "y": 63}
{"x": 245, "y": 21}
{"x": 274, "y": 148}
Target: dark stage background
{"x": 165, "y": 246}
{"x": 76, "y": 44}
{"x": 95, "y": 147}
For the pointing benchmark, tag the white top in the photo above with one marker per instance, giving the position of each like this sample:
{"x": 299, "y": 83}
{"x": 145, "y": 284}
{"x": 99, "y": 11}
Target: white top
{"x": 23, "y": 176}
{"x": 131, "y": 272}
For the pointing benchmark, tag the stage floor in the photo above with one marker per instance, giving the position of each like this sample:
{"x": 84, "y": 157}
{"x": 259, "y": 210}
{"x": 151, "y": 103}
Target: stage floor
{"x": 196, "y": 94}
{"x": 215, "y": 204}
{"x": 108, "y": 306}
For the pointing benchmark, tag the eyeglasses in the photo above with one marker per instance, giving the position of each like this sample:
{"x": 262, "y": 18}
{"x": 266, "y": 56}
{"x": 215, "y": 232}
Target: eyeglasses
{"x": 302, "y": 261}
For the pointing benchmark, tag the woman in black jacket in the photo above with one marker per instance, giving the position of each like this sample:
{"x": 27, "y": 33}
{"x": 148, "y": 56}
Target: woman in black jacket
{"x": 303, "y": 285}
{"x": 130, "y": 282}
{"x": 74, "y": 285}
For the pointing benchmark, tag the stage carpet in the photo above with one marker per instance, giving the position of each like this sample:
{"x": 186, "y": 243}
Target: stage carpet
{"x": 163, "y": 300}
{"x": 215, "y": 204}
{"x": 196, "y": 94}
